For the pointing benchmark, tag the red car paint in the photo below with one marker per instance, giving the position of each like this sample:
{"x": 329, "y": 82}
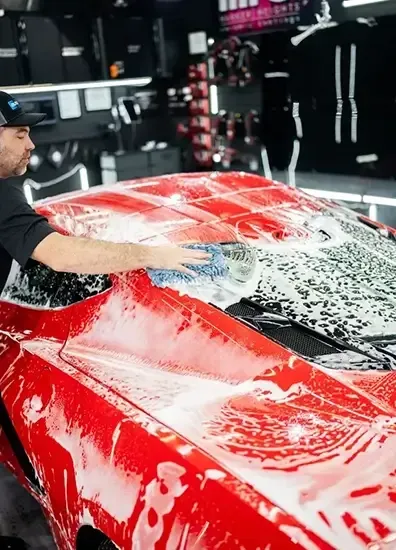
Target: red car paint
{"x": 166, "y": 424}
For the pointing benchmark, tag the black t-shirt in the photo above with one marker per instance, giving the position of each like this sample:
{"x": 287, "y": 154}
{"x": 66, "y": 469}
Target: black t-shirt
{"x": 21, "y": 228}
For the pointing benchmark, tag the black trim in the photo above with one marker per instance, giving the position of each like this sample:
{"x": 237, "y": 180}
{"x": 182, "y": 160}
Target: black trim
{"x": 292, "y": 334}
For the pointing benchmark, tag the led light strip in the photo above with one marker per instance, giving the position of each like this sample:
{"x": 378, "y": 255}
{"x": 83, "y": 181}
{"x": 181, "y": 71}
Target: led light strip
{"x": 30, "y": 184}
{"x": 138, "y": 82}
{"x": 350, "y": 197}
{"x": 353, "y": 3}
{"x": 381, "y": 201}
{"x": 333, "y": 195}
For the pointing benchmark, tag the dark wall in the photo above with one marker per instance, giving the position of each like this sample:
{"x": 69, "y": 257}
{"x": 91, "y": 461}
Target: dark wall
{"x": 333, "y": 100}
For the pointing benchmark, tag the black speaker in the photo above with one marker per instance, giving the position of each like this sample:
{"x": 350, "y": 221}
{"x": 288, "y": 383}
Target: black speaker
{"x": 11, "y": 70}
{"x": 129, "y": 47}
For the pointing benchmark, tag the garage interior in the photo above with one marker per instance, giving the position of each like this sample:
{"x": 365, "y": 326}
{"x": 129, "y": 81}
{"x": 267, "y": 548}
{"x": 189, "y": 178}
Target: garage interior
{"x": 299, "y": 91}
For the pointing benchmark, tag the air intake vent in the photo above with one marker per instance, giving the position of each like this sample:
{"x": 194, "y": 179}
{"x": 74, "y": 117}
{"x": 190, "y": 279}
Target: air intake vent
{"x": 358, "y": 355}
{"x": 281, "y": 330}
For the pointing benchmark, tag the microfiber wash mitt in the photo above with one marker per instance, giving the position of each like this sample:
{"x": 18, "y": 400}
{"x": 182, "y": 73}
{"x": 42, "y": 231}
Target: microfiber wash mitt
{"x": 216, "y": 269}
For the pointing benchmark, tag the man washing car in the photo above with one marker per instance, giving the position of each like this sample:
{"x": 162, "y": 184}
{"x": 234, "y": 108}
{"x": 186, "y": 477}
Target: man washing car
{"x": 24, "y": 234}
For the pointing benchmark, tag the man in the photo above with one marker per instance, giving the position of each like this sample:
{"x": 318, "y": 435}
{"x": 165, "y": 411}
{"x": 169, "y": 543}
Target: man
{"x": 24, "y": 234}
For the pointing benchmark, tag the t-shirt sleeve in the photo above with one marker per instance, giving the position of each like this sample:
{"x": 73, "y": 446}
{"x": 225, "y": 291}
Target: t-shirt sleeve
{"x": 21, "y": 228}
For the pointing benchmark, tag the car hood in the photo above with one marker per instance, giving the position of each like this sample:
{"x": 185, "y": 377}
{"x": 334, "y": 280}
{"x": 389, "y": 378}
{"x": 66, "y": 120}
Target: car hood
{"x": 318, "y": 442}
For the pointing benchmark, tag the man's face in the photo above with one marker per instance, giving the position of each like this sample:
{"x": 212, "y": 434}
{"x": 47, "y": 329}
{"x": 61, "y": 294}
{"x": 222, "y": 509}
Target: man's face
{"x": 15, "y": 149}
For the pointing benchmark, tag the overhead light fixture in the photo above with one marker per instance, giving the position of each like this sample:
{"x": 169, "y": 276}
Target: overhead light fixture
{"x": 216, "y": 158}
{"x": 382, "y": 201}
{"x": 84, "y": 179}
{"x": 333, "y": 195}
{"x": 138, "y": 82}
{"x": 354, "y": 3}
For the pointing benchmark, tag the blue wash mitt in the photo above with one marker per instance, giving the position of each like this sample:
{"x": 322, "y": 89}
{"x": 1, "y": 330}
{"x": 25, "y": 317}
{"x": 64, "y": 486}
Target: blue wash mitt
{"x": 217, "y": 268}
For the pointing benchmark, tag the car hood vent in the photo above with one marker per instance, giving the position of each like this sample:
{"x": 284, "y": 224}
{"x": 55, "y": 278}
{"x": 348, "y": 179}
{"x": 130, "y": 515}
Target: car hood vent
{"x": 308, "y": 343}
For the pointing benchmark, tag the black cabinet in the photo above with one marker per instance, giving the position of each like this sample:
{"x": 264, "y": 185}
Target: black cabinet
{"x": 129, "y": 47}
{"x": 11, "y": 70}
{"x": 66, "y": 45}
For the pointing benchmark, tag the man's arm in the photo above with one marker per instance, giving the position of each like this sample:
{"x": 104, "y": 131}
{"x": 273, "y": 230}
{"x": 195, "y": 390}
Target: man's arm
{"x": 89, "y": 256}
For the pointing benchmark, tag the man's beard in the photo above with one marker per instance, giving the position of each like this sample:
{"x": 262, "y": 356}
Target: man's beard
{"x": 9, "y": 166}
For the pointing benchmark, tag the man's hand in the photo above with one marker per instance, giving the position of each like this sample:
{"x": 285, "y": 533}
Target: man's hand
{"x": 176, "y": 258}
{"x": 79, "y": 255}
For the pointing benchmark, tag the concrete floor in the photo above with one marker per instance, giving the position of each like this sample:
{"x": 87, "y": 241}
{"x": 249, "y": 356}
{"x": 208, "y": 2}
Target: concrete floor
{"x": 21, "y": 516}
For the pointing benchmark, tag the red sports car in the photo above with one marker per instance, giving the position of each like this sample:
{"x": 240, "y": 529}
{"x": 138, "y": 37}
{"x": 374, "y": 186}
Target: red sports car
{"x": 252, "y": 412}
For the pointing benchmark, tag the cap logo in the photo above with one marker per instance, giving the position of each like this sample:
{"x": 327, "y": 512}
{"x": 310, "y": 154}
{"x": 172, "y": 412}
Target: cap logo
{"x": 13, "y": 104}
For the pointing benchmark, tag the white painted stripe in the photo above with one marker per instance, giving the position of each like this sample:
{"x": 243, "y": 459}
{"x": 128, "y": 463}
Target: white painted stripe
{"x": 338, "y": 117}
{"x": 352, "y": 81}
{"x": 297, "y": 120}
{"x": 293, "y": 163}
{"x": 223, "y": 6}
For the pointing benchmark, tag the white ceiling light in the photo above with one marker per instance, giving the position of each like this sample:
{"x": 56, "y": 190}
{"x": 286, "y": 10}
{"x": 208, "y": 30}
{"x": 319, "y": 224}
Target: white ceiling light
{"x": 354, "y": 3}
{"x": 333, "y": 195}
{"x": 78, "y": 86}
{"x": 383, "y": 201}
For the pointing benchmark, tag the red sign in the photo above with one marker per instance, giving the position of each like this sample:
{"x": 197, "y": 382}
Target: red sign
{"x": 240, "y": 16}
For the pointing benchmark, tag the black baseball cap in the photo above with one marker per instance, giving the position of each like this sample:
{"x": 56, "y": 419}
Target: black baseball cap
{"x": 12, "y": 114}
